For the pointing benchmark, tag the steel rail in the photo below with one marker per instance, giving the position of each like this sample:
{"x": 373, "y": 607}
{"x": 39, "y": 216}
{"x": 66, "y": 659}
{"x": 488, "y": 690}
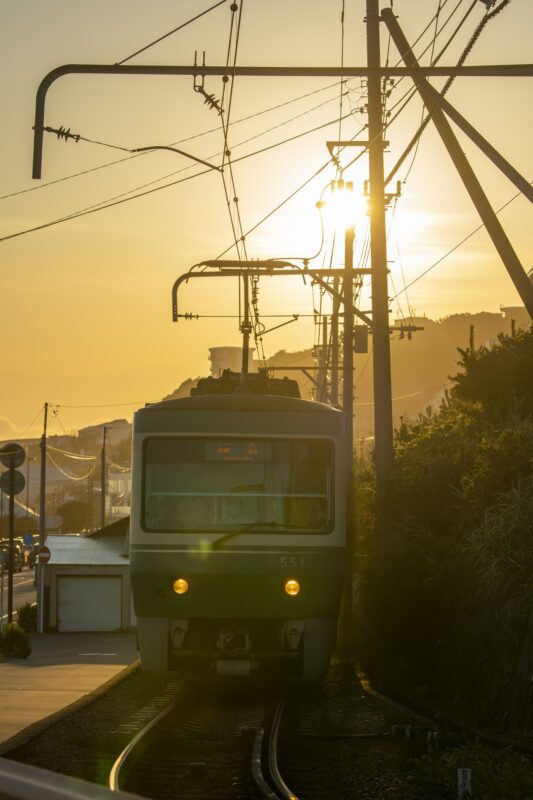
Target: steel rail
{"x": 272, "y": 786}
{"x": 279, "y": 784}
{"x": 114, "y": 775}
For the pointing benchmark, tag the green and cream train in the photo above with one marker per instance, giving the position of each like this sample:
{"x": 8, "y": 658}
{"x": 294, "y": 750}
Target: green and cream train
{"x": 237, "y": 536}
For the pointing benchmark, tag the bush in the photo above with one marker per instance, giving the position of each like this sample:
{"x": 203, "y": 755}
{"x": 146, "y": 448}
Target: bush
{"x": 496, "y": 775}
{"x": 14, "y": 642}
{"x": 27, "y": 617}
{"x": 446, "y": 577}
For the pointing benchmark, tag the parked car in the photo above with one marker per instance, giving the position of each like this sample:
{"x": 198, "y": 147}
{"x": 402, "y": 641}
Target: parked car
{"x": 18, "y": 555}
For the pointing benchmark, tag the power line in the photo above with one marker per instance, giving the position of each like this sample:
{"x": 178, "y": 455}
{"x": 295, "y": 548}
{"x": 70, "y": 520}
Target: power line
{"x": 174, "y": 30}
{"x": 453, "y": 249}
{"x": 122, "y": 199}
{"x": 187, "y": 139}
{"x": 119, "y": 467}
{"x": 75, "y": 456}
{"x": 473, "y": 39}
{"x": 67, "y": 474}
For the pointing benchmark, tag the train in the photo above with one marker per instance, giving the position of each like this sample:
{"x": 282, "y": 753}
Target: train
{"x": 238, "y": 530}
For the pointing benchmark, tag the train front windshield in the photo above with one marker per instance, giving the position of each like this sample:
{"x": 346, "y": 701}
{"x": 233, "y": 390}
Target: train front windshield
{"x": 199, "y": 484}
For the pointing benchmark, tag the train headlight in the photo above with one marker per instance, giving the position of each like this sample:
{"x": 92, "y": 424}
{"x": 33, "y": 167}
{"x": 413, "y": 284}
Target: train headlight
{"x": 181, "y": 586}
{"x": 292, "y": 587}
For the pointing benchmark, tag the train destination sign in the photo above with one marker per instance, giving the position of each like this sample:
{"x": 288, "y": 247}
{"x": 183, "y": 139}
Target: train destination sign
{"x": 236, "y": 450}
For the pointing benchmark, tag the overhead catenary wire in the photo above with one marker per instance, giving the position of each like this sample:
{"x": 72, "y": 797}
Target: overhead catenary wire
{"x": 188, "y": 139}
{"x": 431, "y": 57}
{"x": 412, "y": 92}
{"x": 467, "y": 50}
{"x": 238, "y": 231}
{"x": 124, "y": 198}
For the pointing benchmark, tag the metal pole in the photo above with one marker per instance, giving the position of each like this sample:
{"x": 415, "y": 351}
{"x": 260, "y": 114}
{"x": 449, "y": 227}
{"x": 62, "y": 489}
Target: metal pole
{"x": 287, "y": 72}
{"x": 335, "y": 347}
{"x": 90, "y": 503}
{"x": 346, "y": 620}
{"x": 2, "y": 596}
{"x": 11, "y": 544}
{"x": 322, "y": 393}
{"x": 493, "y": 225}
{"x": 42, "y": 496}
{"x": 246, "y": 329}
{"x": 347, "y": 384}
{"x": 103, "y": 481}
{"x": 378, "y": 251}
{"x": 42, "y": 526}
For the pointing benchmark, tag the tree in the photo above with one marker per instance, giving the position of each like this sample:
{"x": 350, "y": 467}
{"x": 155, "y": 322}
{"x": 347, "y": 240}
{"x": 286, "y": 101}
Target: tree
{"x": 73, "y": 516}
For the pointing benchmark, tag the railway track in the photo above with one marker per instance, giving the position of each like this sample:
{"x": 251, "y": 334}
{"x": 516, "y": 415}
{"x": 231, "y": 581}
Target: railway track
{"x": 211, "y": 744}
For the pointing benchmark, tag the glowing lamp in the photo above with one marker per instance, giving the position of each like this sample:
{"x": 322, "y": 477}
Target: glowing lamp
{"x": 292, "y": 587}
{"x": 181, "y": 586}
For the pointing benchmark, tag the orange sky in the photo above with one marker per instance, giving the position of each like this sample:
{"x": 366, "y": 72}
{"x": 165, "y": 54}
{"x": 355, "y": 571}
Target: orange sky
{"x": 86, "y": 304}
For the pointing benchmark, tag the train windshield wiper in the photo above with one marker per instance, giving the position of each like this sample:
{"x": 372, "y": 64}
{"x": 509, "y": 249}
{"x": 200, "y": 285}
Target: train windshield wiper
{"x": 250, "y": 526}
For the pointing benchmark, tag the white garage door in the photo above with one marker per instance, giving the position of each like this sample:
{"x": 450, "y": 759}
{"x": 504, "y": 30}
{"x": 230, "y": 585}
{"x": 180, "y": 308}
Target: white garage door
{"x": 87, "y": 603}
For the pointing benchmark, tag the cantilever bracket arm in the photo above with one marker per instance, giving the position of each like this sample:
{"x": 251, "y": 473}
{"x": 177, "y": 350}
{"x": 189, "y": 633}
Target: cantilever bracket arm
{"x": 267, "y": 268}
{"x": 517, "y": 70}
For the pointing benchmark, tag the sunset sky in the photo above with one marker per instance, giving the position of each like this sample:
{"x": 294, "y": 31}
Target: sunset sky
{"x": 86, "y": 313}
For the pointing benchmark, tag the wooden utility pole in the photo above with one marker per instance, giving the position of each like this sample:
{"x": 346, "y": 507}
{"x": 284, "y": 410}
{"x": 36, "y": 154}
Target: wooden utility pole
{"x": 378, "y": 254}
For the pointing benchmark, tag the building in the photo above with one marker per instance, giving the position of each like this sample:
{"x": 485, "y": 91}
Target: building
{"x": 222, "y": 358}
{"x": 87, "y": 581}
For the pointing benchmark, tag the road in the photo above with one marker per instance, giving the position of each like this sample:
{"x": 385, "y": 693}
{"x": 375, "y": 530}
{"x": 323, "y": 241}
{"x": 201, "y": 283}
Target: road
{"x": 23, "y": 591}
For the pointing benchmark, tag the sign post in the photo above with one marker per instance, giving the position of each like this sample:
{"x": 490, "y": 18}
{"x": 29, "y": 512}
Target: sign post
{"x": 43, "y": 557}
{"x": 12, "y": 482}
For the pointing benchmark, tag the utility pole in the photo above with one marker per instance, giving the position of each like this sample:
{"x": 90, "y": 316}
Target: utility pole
{"x": 335, "y": 346}
{"x": 322, "y": 389}
{"x": 347, "y": 383}
{"x": 346, "y": 619}
{"x": 42, "y": 526}
{"x": 103, "y": 480}
{"x": 90, "y": 503}
{"x": 378, "y": 253}
{"x": 42, "y": 488}
{"x": 246, "y": 329}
